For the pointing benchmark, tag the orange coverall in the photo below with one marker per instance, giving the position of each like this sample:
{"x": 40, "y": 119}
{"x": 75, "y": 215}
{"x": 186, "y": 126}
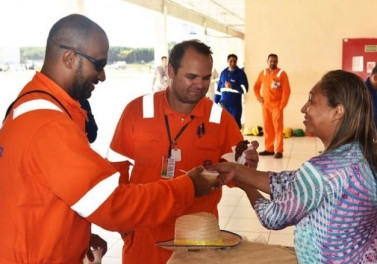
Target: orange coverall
{"x": 53, "y": 185}
{"x": 275, "y": 93}
{"x": 143, "y": 141}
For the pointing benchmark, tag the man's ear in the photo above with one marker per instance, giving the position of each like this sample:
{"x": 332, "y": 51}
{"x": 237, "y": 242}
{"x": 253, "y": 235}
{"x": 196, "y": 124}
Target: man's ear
{"x": 68, "y": 58}
{"x": 171, "y": 72}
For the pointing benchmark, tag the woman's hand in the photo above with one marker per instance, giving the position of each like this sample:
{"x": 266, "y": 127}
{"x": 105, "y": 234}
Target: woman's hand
{"x": 243, "y": 176}
{"x": 227, "y": 171}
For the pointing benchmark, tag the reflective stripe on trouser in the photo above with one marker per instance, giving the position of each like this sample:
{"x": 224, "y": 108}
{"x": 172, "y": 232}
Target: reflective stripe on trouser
{"x": 273, "y": 128}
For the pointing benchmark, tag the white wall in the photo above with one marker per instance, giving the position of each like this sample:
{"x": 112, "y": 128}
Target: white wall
{"x": 307, "y": 36}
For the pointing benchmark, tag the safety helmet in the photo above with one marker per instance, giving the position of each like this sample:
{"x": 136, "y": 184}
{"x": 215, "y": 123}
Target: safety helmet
{"x": 257, "y": 131}
{"x": 298, "y": 132}
{"x": 287, "y": 132}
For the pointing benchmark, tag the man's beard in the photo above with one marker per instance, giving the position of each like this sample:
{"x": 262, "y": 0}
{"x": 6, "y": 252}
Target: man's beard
{"x": 81, "y": 89}
{"x": 273, "y": 67}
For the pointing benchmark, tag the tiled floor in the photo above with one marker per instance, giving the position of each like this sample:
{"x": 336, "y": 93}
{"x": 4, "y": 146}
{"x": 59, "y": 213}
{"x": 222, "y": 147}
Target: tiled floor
{"x": 236, "y": 213}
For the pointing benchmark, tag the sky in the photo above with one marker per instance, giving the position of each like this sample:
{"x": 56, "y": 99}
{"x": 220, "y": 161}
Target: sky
{"x": 27, "y": 22}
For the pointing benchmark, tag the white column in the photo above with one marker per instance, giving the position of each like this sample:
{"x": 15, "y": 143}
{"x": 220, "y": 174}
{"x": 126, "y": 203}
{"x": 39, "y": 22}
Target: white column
{"x": 160, "y": 28}
{"x": 80, "y": 5}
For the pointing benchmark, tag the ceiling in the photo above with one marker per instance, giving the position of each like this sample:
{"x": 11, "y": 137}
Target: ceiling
{"x": 226, "y": 16}
{"x": 231, "y": 13}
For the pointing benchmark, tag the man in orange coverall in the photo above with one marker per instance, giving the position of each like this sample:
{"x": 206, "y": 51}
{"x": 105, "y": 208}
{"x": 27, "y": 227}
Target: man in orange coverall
{"x": 274, "y": 98}
{"x": 52, "y": 184}
{"x": 170, "y": 131}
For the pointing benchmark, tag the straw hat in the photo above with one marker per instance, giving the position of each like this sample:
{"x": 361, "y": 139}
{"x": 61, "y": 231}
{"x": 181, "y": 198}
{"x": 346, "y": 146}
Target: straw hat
{"x": 200, "y": 231}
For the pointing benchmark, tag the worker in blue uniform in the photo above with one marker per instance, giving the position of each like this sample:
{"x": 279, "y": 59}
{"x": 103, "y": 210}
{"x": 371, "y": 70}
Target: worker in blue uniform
{"x": 232, "y": 85}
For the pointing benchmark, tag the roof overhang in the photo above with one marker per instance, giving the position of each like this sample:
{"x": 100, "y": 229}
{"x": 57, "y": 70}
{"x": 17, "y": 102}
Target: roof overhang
{"x": 178, "y": 11}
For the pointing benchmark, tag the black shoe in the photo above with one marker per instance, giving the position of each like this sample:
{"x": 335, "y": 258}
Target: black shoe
{"x": 266, "y": 153}
{"x": 278, "y": 155}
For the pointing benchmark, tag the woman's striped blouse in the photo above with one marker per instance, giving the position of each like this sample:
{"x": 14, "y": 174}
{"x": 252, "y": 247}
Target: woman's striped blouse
{"x": 332, "y": 200}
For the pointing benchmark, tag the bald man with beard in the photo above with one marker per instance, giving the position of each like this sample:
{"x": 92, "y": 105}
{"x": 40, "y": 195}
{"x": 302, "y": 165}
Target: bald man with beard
{"x": 53, "y": 185}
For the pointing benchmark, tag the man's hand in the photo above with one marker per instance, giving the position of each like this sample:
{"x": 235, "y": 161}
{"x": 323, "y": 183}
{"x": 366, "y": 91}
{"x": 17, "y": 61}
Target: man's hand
{"x": 201, "y": 185}
{"x": 251, "y": 155}
{"x": 96, "y": 243}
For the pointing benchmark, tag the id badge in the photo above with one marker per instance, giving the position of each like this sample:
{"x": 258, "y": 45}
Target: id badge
{"x": 275, "y": 85}
{"x": 176, "y": 154}
{"x": 168, "y": 168}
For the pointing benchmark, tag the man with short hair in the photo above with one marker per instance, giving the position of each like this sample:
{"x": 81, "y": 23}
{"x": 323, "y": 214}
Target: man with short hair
{"x": 274, "y": 98}
{"x": 167, "y": 132}
{"x": 371, "y": 83}
{"x": 53, "y": 185}
{"x": 160, "y": 77}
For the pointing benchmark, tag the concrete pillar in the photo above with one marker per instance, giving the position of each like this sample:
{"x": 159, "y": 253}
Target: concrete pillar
{"x": 161, "y": 42}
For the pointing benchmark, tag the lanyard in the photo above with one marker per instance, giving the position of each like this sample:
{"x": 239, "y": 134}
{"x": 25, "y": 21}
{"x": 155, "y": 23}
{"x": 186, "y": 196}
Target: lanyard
{"x": 174, "y": 141}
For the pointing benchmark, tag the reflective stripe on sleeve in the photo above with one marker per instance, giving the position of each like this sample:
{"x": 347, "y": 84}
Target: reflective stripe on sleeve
{"x": 114, "y": 156}
{"x": 217, "y": 92}
{"x": 243, "y": 88}
{"x": 279, "y": 73}
{"x": 148, "y": 105}
{"x": 215, "y": 116}
{"x": 229, "y": 90}
{"x": 95, "y": 197}
{"x": 32, "y": 105}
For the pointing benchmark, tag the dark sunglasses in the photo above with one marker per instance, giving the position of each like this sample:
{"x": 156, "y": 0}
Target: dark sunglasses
{"x": 98, "y": 64}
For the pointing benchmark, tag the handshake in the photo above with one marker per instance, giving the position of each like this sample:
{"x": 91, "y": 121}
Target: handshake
{"x": 208, "y": 177}
{"x": 204, "y": 180}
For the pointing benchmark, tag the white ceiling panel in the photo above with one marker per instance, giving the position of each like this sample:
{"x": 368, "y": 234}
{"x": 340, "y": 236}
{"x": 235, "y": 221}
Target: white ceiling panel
{"x": 226, "y": 16}
{"x": 230, "y": 13}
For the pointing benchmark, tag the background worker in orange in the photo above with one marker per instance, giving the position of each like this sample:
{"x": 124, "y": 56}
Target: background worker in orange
{"x": 53, "y": 185}
{"x": 179, "y": 127}
{"x": 274, "y": 98}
